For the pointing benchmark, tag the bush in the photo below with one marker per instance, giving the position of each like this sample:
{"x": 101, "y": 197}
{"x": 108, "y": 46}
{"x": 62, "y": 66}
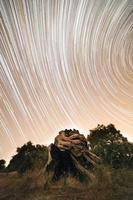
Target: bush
{"x": 28, "y": 157}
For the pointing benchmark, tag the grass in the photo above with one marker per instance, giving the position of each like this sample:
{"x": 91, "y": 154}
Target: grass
{"x": 108, "y": 184}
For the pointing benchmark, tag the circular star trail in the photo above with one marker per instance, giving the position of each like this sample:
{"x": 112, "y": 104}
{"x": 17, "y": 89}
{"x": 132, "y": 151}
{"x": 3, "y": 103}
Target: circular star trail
{"x": 64, "y": 64}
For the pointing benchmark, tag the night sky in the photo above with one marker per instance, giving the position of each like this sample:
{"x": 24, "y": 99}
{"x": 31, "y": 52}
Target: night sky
{"x": 64, "y": 64}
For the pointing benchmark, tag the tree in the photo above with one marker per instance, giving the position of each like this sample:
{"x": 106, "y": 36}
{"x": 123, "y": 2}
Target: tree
{"x": 108, "y": 143}
{"x": 28, "y": 157}
{"x": 2, "y": 165}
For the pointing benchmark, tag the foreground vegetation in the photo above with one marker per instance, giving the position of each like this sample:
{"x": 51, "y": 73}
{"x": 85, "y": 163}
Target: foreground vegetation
{"x": 108, "y": 184}
{"x": 24, "y": 178}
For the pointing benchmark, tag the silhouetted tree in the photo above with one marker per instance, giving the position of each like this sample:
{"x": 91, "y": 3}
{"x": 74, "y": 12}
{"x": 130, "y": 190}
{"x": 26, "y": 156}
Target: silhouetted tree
{"x": 2, "y": 165}
{"x": 108, "y": 143}
{"x": 28, "y": 157}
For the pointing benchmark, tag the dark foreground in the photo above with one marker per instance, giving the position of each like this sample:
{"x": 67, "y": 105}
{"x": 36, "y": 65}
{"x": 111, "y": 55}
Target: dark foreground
{"x": 108, "y": 184}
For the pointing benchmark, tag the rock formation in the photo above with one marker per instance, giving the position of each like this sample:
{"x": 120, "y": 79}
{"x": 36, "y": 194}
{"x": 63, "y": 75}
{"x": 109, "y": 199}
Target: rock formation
{"x": 69, "y": 156}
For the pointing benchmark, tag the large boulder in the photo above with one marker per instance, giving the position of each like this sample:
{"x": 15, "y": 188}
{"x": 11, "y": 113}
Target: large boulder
{"x": 75, "y": 160}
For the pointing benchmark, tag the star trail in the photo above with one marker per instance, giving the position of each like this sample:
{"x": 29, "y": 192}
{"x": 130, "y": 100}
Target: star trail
{"x": 64, "y": 64}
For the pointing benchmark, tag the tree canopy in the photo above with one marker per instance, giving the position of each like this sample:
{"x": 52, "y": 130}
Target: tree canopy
{"x": 28, "y": 157}
{"x": 108, "y": 143}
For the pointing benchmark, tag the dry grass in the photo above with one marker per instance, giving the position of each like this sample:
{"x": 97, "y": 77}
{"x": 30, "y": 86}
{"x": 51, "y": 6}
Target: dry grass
{"x": 108, "y": 185}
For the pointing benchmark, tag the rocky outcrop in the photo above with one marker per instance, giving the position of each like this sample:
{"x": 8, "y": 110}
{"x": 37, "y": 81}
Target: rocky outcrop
{"x": 76, "y": 161}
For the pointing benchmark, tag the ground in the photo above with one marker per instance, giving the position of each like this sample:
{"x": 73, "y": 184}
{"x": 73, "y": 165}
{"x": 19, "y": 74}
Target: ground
{"x": 108, "y": 185}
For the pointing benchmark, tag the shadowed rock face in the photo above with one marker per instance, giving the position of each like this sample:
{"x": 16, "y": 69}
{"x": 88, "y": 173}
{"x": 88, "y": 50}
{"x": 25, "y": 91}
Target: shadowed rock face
{"x": 77, "y": 161}
{"x": 62, "y": 163}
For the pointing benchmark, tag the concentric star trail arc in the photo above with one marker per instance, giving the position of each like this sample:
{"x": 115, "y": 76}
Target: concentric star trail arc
{"x": 64, "y": 64}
